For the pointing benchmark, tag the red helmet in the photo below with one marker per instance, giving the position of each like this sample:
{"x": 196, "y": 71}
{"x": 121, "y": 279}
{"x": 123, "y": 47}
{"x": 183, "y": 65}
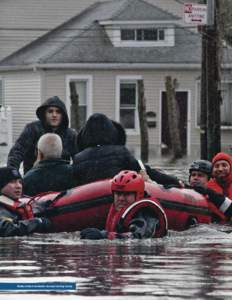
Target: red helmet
{"x": 129, "y": 181}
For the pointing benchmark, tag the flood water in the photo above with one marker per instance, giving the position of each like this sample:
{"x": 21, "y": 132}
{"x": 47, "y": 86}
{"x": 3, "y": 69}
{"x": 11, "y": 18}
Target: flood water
{"x": 194, "y": 264}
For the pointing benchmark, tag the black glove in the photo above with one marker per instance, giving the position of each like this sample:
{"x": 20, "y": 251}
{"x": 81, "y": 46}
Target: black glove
{"x": 138, "y": 227}
{"x": 213, "y": 196}
{"x": 93, "y": 234}
{"x": 44, "y": 224}
{"x": 200, "y": 189}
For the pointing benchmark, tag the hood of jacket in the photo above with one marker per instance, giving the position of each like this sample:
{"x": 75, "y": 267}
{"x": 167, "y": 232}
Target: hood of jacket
{"x": 228, "y": 158}
{"x": 53, "y": 101}
{"x": 99, "y": 130}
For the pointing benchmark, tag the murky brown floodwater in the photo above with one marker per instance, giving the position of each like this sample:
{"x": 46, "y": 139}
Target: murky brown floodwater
{"x": 195, "y": 264}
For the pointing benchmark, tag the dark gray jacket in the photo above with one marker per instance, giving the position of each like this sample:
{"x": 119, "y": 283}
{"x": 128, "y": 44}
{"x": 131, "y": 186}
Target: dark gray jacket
{"x": 24, "y": 149}
{"x": 102, "y": 153}
{"x": 48, "y": 175}
{"x": 11, "y": 225}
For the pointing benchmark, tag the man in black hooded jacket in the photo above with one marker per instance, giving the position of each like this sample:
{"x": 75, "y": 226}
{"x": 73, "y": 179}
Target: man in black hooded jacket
{"x": 53, "y": 117}
{"x": 102, "y": 153}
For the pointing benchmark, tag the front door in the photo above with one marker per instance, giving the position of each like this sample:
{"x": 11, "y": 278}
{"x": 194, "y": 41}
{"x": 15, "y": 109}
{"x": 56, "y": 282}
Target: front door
{"x": 182, "y": 102}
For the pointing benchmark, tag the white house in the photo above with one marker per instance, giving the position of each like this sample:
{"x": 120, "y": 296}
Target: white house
{"x": 105, "y": 50}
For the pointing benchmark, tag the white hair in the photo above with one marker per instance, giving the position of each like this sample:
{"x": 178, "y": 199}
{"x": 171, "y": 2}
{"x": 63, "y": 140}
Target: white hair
{"x": 50, "y": 145}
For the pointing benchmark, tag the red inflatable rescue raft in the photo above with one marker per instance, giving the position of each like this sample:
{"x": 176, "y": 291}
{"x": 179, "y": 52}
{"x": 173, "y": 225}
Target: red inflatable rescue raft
{"x": 88, "y": 206}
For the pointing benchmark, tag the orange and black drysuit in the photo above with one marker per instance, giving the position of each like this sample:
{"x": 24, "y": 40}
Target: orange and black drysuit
{"x": 142, "y": 219}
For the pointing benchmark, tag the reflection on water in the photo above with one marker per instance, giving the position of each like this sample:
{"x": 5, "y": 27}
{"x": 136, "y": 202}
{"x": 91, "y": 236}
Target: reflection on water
{"x": 193, "y": 264}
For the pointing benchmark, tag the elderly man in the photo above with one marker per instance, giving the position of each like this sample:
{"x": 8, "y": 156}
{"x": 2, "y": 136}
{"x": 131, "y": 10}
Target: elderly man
{"x": 16, "y": 218}
{"x": 51, "y": 172}
{"x": 53, "y": 117}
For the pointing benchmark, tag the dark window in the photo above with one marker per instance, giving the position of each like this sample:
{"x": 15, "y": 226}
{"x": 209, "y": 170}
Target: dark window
{"x": 150, "y": 34}
{"x": 161, "y": 35}
{"x": 81, "y": 90}
{"x": 128, "y": 94}
{"x": 127, "y": 34}
{"x": 146, "y": 34}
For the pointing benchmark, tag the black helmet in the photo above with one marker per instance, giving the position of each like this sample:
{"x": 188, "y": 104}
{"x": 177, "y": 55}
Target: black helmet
{"x": 201, "y": 165}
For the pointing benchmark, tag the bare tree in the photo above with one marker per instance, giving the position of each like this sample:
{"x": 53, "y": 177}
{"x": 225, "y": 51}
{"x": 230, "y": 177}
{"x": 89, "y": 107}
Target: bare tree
{"x": 143, "y": 122}
{"x": 173, "y": 113}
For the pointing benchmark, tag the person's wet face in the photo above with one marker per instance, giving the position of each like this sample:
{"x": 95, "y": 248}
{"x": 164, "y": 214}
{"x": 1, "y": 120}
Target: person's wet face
{"x": 53, "y": 116}
{"x": 198, "y": 178}
{"x": 221, "y": 169}
{"x": 122, "y": 199}
{"x": 13, "y": 189}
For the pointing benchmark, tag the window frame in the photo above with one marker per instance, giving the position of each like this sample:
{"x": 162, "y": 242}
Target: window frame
{"x": 89, "y": 92}
{"x": 142, "y": 40}
{"x": 127, "y": 79}
{"x": 197, "y": 101}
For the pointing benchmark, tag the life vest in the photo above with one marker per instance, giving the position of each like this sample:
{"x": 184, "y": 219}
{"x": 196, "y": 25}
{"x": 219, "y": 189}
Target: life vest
{"x": 123, "y": 217}
{"x": 24, "y": 210}
{"x": 226, "y": 190}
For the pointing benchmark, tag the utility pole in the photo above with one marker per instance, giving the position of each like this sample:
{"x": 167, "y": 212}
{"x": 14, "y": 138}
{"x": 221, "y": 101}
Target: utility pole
{"x": 210, "y": 83}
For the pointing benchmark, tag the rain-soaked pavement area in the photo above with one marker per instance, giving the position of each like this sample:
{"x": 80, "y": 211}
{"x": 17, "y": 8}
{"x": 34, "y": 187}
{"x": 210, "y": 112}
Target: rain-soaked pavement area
{"x": 194, "y": 264}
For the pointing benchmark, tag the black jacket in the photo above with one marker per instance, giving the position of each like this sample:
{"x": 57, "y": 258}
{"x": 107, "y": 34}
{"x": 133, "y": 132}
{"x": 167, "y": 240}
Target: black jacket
{"x": 102, "y": 162}
{"x": 102, "y": 151}
{"x": 103, "y": 154}
{"x": 11, "y": 225}
{"x": 24, "y": 149}
{"x": 48, "y": 175}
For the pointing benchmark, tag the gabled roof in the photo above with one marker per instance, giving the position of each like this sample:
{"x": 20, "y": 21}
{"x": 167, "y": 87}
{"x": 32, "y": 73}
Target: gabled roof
{"x": 83, "y": 40}
{"x": 94, "y": 46}
{"x": 141, "y": 10}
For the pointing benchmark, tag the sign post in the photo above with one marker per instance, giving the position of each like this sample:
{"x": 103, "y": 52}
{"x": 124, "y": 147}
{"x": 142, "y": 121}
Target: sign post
{"x": 195, "y": 13}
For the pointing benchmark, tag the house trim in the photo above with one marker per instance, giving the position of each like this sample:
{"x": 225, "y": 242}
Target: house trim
{"x": 188, "y": 119}
{"x": 103, "y": 66}
{"x": 120, "y": 78}
{"x": 89, "y": 93}
{"x": 138, "y": 22}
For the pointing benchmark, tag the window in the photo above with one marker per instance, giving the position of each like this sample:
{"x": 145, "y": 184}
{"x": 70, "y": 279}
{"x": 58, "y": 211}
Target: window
{"x": 128, "y": 104}
{"x": 81, "y": 90}
{"x": 83, "y": 85}
{"x": 226, "y": 107}
{"x": 127, "y": 34}
{"x": 145, "y": 34}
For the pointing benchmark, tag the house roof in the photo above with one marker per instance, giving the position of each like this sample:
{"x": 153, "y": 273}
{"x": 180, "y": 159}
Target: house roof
{"x": 83, "y": 40}
{"x": 141, "y": 10}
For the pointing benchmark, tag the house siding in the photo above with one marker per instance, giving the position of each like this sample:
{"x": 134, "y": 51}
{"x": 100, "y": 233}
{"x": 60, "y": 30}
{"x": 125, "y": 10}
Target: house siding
{"x": 23, "y": 94}
{"x": 104, "y": 94}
